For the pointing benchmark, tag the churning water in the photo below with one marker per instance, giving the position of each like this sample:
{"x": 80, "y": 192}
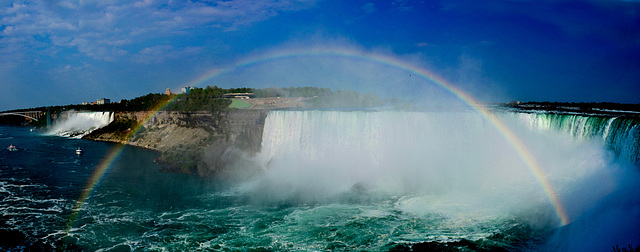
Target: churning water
{"x": 79, "y": 124}
{"x": 337, "y": 180}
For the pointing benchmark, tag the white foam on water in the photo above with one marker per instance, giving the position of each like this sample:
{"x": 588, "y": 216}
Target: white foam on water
{"x": 79, "y": 124}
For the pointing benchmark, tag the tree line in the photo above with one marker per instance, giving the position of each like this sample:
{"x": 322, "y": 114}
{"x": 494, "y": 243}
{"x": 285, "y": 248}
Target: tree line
{"x": 583, "y": 106}
{"x": 211, "y": 99}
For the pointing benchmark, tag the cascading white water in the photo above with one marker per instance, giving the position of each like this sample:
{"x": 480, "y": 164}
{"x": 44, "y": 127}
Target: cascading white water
{"x": 618, "y": 134}
{"x": 453, "y": 164}
{"x": 331, "y": 151}
{"x": 316, "y": 154}
{"x": 79, "y": 124}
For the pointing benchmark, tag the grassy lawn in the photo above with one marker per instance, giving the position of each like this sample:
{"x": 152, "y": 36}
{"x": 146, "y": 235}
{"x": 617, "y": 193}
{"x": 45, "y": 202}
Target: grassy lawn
{"x": 239, "y": 104}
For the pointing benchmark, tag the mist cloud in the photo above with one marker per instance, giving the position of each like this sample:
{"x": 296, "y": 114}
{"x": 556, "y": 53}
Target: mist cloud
{"x": 339, "y": 63}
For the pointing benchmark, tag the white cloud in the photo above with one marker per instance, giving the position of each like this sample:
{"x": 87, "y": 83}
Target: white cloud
{"x": 7, "y": 30}
{"x": 402, "y": 5}
{"x": 15, "y": 7}
{"x": 67, "y": 4}
{"x": 143, "y": 3}
{"x": 72, "y": 69}
{"x": 369, "y": 8}
{"x": 101, "y": 29}
{"x": 161, "y": 53}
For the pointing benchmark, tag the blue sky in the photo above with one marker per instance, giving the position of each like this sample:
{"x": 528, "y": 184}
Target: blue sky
{"x": 67, "y": 52}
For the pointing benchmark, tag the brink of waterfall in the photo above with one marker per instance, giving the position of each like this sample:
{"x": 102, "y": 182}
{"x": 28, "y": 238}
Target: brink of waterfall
{"x": 79, "y": 124}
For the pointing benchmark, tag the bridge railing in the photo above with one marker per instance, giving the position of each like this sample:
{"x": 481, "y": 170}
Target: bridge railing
{"x": 33, "y": 115}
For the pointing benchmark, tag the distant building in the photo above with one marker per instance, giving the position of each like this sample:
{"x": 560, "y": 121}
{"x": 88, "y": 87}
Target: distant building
{"x": 103, "y": 101}
{"x": 186, "y": 90}
{"x": 85, "y": 103}
{"x": 167, "y": 92}
{"x": 238, "y": 95}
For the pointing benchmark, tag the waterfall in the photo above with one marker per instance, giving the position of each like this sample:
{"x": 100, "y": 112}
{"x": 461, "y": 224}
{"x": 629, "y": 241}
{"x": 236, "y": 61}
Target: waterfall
{"x": 458, "y": 165}
{"x": 79, "y": 124}
{"x": 328, "y": 152}
{"x": 621, "y": 135}
{"x": 317, "y": 154}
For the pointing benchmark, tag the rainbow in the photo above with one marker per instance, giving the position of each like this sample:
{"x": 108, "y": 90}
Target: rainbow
{"x": 520, "y": 148}
{"x": 106, "y": 164}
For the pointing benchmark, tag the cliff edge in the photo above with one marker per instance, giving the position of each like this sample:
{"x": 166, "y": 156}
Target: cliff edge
{"x": 198, "y": 143}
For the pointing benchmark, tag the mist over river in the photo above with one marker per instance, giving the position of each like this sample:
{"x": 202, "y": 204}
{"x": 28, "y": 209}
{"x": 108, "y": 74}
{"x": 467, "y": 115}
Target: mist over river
{"x": 338, "y": 180}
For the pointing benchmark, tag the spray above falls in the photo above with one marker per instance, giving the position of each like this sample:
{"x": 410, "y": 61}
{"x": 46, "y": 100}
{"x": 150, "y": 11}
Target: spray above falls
{"x": 314, "y": 155}
{"x": 621, "y": 135}
{"x": 455, "y": 165}
{"x": 79, "y": 124}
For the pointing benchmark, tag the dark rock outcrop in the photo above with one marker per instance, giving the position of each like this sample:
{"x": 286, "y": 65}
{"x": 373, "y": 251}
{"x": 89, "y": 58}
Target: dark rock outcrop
{"x": 199, "y": 143}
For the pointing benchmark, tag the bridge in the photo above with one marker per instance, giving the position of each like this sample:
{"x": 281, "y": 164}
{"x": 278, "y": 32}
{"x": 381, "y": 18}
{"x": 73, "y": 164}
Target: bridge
{"x": 33, "y": 115}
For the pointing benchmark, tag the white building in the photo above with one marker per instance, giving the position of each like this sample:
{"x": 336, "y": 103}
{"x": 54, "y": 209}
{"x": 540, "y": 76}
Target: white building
{"x": 103, "y": 101}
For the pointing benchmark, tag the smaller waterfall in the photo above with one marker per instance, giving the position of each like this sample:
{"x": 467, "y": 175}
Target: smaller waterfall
{"x": 621, "y": 135}
{"x": 79, "y": 124}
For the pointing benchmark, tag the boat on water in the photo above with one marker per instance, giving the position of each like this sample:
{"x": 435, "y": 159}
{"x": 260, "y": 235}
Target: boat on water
{"x": 79, "y": 151}
{"x": 12, "y": 148}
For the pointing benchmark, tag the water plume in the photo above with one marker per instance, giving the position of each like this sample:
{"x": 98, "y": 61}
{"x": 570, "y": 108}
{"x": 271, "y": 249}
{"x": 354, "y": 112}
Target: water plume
{"x": 453, "y": 94}
{"x": 79, "y": 124}
{"x": 452, "y": 163}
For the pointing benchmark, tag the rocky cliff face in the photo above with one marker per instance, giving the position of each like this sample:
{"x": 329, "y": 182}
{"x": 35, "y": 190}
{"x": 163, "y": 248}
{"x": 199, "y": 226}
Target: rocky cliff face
{"x": 198, "y": 143}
